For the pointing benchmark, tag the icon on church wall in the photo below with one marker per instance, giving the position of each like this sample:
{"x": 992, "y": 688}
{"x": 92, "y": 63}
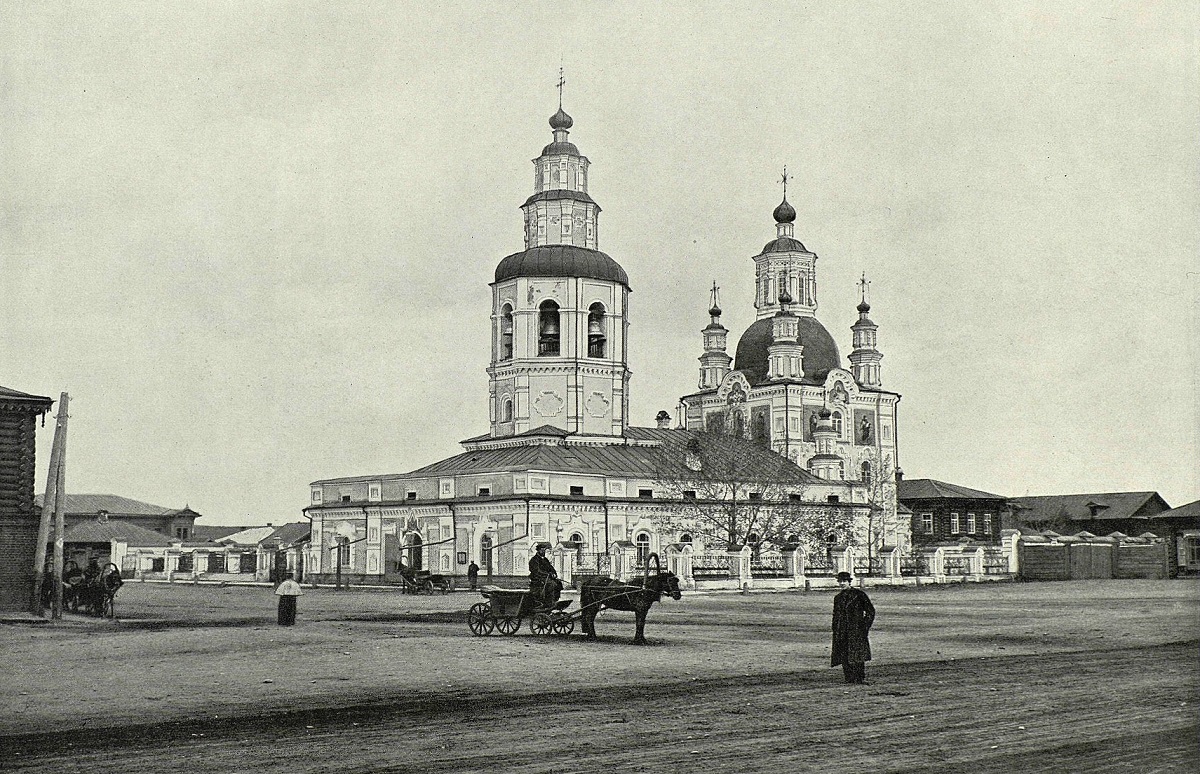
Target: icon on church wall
{"x": 839, "y": 394}
{"x": 810, "y": 428}
{"x": 864, "y": 428}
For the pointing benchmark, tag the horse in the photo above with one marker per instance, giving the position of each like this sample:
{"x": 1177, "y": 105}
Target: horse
{"x": 637, "y": 596}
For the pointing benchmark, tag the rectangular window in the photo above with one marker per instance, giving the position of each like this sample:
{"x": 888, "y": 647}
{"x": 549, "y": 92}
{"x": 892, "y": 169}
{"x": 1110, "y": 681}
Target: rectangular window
{"x": 927, "y": 523}
{"x": 410, "y": 495}
{"x": 577, "y": 491}
{"x": 157, "y": 564}
{"x": 689, "y": 494}
{"x": 216, "y": 563}
{"x": 756, "y": 496}
{"x": 987, "y": 524}
{"x": 1193, "y": 550}
{"x": 186, "y": 562}
{"x": 345, "y": 498}
{"x": 485, "y": 491}
{"x": 796, "y": 498}
{"x": 344, "y": 553}
{"x": 954, "y": 524}
{"x": 833, "y": 499}
{"x": 970, "y": 524}
{"x": 181, "y": 533}
{"x": 316, "y": 496}
{"x": 646, "y": 494}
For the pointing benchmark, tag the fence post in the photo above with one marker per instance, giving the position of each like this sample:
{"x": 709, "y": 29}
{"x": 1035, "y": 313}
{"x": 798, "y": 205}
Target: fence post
{"x": 742, "y": 558}
{"x": 935, "y": 565}
{"x": 1011, "y": 544}
{"x": 793, "y": 562}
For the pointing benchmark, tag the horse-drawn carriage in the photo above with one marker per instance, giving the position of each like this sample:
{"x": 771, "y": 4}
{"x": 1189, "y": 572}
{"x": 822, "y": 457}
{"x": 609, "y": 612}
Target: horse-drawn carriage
{"x": 505, "y": 609}
{"x": 91, "y": 592}
{"x": 423, "y": 581}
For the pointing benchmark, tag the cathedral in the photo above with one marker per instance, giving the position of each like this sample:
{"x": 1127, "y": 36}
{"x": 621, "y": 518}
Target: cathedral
{"x": 561, "y": 462}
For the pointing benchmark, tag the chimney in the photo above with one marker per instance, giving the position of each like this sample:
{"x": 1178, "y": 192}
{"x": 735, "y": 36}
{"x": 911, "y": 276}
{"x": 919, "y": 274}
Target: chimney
{"x": 663, "y": 419}
{"x": 102, "y": 516}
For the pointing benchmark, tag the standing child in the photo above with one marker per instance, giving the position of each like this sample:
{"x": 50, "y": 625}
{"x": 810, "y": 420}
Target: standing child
{"x": 287, "y": 591}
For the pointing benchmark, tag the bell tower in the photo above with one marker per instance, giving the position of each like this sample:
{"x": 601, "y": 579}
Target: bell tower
{"x": 559, "y": 310}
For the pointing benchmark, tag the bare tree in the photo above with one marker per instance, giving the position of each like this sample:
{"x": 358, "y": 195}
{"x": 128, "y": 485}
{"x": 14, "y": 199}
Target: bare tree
{"x": 728, "y": 491}
{"x": 879, "y": 487}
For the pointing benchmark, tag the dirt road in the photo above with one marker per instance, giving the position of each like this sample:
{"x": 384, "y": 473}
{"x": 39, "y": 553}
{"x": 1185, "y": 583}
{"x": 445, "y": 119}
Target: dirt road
{"x": 1041, "y": 688}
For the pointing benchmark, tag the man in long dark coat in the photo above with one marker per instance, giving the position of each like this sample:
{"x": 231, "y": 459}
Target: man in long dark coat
{"x": 853, "y": 615}
{"x": 543, "y": 578}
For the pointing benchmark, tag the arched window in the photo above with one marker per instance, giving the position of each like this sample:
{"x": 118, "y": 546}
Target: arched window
{"x": 642, "y": 541}
{"x": 414, "y": 560}
{"x": 548, "y": 329}
{"x": 577, "y": 539}
{"x": 343, "y": 544}
{"x": 597, "y": 342}
{"x": 506, "y": 333}
{"x": 485, "y": 553}
{"x": 837, "y": 423}
{"x": 866, "y": 473}
{"x": 506, "y": 410}
{"x": 739, "y": 424}
{"x": 685, "y": 538}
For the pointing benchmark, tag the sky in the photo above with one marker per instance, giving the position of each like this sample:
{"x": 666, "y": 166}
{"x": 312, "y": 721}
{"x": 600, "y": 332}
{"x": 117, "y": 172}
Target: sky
{"x": 253, "y": 241}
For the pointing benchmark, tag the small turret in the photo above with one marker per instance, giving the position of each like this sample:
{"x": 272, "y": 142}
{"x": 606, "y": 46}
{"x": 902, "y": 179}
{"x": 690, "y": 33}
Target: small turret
{"x": 715, "y": 362}
{"x": 826, "y": 463}
{"x": 785, "y": 352}
{"x": 864, "y": 360}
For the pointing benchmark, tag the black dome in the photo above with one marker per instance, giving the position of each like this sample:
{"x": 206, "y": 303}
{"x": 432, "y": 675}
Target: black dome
{"x": 819, "y": 357}
{"x": 561, "y": 120}
{"x": 561, "y": 261}
{"x": 784, "y": 245}
{"x": 559, "y": 148}
{"x": 784, "y": 213}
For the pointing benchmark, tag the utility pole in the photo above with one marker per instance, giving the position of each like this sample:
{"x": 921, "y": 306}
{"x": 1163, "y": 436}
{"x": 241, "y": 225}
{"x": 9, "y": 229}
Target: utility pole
{"x": 43, "y": 537}
{"x": 60, "y": 496}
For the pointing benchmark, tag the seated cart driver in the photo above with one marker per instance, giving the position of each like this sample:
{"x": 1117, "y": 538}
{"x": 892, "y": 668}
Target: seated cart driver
{"x": 543, "y": 578}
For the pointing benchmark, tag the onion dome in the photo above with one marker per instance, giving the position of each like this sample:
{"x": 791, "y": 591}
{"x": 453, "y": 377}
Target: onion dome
{"x": 784, "y": 213}
{"x": 715, "y": 311}
{"x": 785, "y": 297}
{"x": 561, "y": 120}
{"x": 863, "y": 307}
{"x": 825, "y": 413}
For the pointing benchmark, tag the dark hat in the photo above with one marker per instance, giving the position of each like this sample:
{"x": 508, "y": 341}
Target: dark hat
{"x": 540, "y": 546}
{"x": 844, "y": 576}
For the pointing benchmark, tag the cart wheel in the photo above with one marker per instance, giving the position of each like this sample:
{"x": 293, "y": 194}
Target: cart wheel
{"x": 564, "y": 627}
{"x": 479, "y": 618}
{"x": 508, "y": 625}
{"x": 541, "y": 624}
{"x": 427, "y": 587}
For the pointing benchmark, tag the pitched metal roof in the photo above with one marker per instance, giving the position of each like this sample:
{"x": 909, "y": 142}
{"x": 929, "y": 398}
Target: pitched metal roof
{"x": 290, "y": 534}
{"x": 90, "y": 504}
{"x": 212, "y": 532}
{"x": 555, "y": 194}
{"x": 1092, "y": 506}
{"x": 248, "y": 536}
{"x": 932, "y": 489}
{"x": 1188, "y": 511}
{"x": 23, "y": 401}
{"x": 614, "y": 459}
{"x": 114, "y": 529}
